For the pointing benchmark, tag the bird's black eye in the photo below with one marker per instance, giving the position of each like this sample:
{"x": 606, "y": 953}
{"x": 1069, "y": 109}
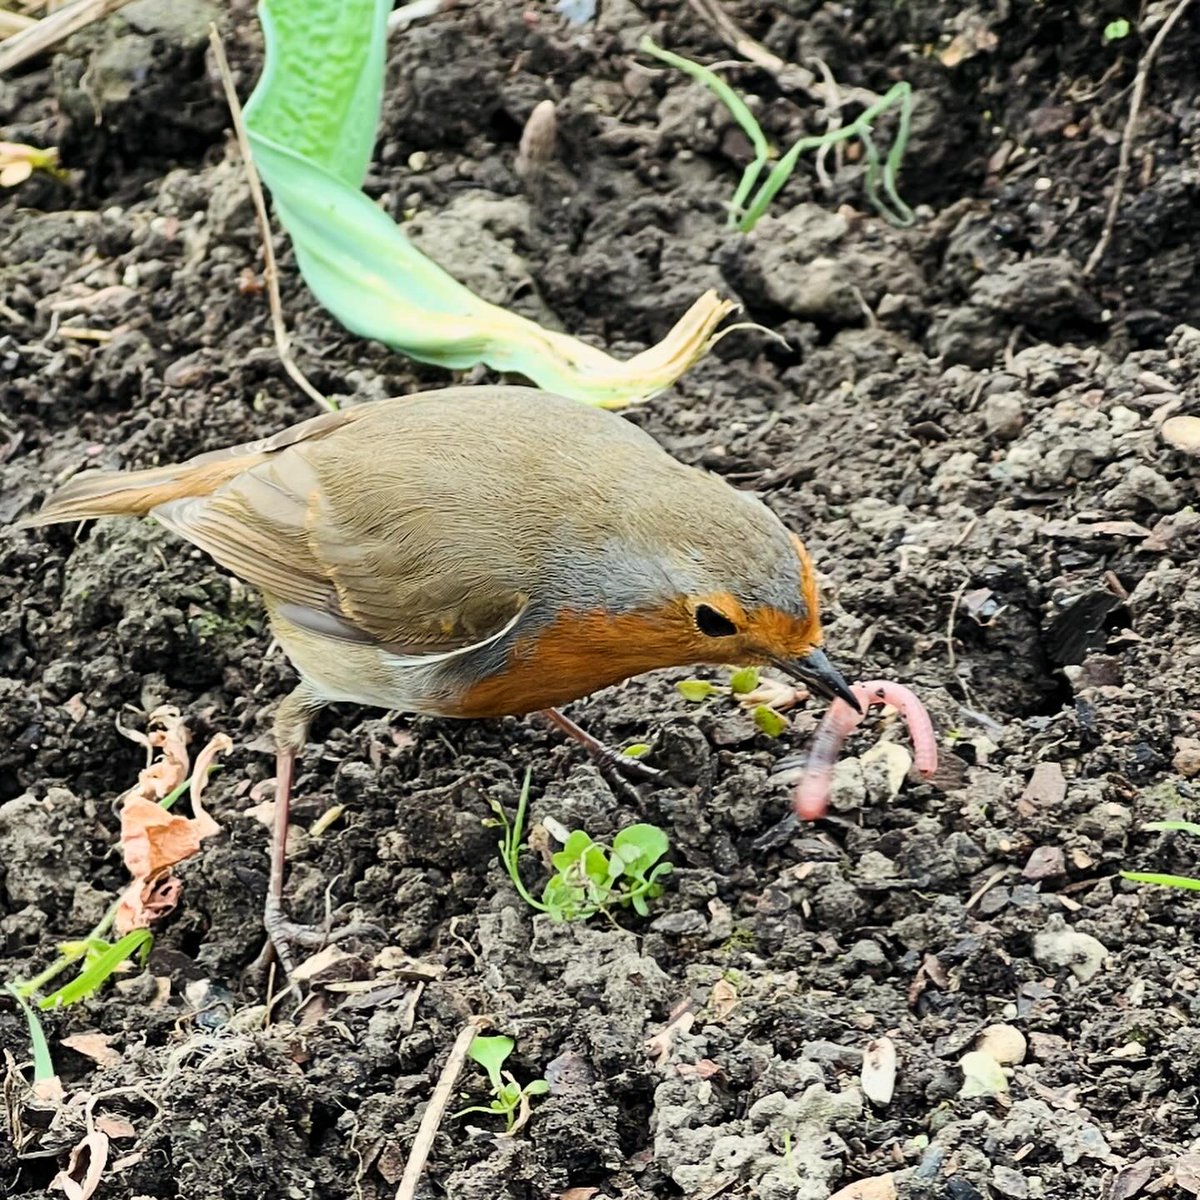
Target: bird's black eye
{"x": 712, "y": 623}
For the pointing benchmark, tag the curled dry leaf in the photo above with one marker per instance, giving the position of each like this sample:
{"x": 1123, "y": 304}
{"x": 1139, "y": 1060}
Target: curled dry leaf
{"x": 85, "y": 1168}
{"x": 167, "y": 733}
{"x": 115, "y": 1127}
{"x": 153, "y": 840}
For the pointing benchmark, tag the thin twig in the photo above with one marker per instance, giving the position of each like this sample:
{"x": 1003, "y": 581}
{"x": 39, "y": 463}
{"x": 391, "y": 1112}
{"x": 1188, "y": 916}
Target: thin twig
{"x": 270, "y": 272}
{"x": 51, "y": 30}
{"x": 435, "y": 1110}
{"x": 958, "y": 595}
{"x": 12, "y": 23}
{"x": 1135, "y": 107}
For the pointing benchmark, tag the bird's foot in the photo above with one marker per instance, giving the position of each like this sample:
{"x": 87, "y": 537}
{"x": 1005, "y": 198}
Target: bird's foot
{"x": 619, "y": 770}
{"x": 284, "y": 936}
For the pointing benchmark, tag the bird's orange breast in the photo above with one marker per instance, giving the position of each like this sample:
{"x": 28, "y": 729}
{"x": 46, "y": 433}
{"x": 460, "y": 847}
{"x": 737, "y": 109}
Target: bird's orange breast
{"x": 576, "y": 654}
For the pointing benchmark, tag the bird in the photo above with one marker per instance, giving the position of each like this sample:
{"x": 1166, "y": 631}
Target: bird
{"x": 477, "y": 552}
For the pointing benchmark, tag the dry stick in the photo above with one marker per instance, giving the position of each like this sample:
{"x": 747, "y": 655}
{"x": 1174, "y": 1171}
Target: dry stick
{"x": 51, "y": 30}
{"x": 12, "y": 23}
{"x": 788, "y": 74}
{"x": 1135, "y": 106}
{"x": 436, "y": 1109}
{"x": 270, "y": 272}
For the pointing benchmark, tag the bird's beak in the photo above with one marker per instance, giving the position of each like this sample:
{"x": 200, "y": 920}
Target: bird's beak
{"x": 817, "y": 672}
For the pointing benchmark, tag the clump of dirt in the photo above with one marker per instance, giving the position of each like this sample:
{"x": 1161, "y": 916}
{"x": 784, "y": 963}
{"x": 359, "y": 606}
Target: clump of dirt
{"x": 963, "y": 424}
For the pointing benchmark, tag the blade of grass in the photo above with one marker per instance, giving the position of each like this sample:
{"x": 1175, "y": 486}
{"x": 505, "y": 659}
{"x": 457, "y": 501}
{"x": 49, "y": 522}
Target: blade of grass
{"x": 738, "y": 109}
{"x": 89, "y": 979}
{"x": 782, "y": 171}
{"x": 1173, "y": 827}
{"x": 1186, "y": 882}
{"x": 43, "y": 1064}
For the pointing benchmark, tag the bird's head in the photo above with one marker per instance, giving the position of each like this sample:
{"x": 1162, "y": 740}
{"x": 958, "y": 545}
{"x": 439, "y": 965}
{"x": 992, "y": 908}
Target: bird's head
{"x": 772, "y": 617}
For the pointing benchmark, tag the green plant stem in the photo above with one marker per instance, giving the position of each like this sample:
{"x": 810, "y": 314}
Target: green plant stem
{"x": 510, "y": 847}
{"x": 737, "y": 109}
{"x": 900, "y": 93}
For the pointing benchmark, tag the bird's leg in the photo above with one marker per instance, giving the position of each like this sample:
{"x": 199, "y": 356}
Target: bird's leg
{"x": 604, "y": 754}
{"x": 291, "y": 732}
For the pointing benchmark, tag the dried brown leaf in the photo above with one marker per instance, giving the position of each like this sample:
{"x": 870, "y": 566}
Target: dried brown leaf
{"x": 85, "y": 1168}
{"x": 94, "y": 1046}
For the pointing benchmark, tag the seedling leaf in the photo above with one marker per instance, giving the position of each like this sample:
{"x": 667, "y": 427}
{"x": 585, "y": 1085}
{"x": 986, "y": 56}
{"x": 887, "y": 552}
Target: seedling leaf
{"x": 1186, "y": 882}
{"x": 743, "y": 680}
{"x": 99, "y": 967}
{"x": 43, "y": 1064}
{"x": 490, "y": 1053}
{"x": 647, "y": 842}
{"x": 695, "y": 690}
{"x": 769, "y": 721}
{"x": 1173, "y": 827}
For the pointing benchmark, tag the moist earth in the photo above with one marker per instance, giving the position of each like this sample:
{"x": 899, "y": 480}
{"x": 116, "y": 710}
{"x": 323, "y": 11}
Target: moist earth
{"x": 961, "y": 421}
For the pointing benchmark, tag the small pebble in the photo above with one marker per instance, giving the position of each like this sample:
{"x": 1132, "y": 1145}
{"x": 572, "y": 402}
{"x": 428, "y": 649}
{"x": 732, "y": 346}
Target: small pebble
{"x": 1046, "y": 862}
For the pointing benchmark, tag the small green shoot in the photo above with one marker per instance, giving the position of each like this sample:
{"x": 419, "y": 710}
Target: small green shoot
{"x": 696, "y": 690}
{"x": 769, "y": 721}
{"x": 1115, "y": 31}
{"x": 743, "y": 680}
{"x": 43, "y": 1064}
{"x": 1186, "y": 883}
{"x": 509, "y": 1099}
{"x": 590, "y": 877}
{"x": 100, "y": 960}
{"x": 744, "y": 211}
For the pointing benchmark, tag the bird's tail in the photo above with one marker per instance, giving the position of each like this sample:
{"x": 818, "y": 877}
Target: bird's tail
{"x": 135, "y": 493}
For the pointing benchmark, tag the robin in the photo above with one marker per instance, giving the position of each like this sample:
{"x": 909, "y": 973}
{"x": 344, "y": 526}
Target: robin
{"x": 478, "y": 552}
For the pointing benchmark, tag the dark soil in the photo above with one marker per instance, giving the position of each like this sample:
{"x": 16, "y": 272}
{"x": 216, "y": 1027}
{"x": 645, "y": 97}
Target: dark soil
{"x": 963, "y": 427}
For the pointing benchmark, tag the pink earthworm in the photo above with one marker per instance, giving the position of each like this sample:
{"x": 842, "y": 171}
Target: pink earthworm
{"x": 812, "y": 793}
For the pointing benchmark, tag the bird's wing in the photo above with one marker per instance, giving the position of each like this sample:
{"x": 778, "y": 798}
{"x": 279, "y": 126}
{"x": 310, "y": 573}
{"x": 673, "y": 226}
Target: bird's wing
{"x": 299, "y": 529}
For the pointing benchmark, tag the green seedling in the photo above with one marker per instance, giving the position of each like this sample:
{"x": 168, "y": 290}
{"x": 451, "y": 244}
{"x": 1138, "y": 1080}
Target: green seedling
{"x": 311, "y": 125}
{"x": 747, "y": 206}
{"x": 1184, "y": 882}
{"x": 100, "y": 958}
{"x": 744, "y": 686}
{"x": 1116, "y": 31}
{"x": 590, "y": 877}
{"x": 43, "y": 1064}
{"x": 509, "y": 1099}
